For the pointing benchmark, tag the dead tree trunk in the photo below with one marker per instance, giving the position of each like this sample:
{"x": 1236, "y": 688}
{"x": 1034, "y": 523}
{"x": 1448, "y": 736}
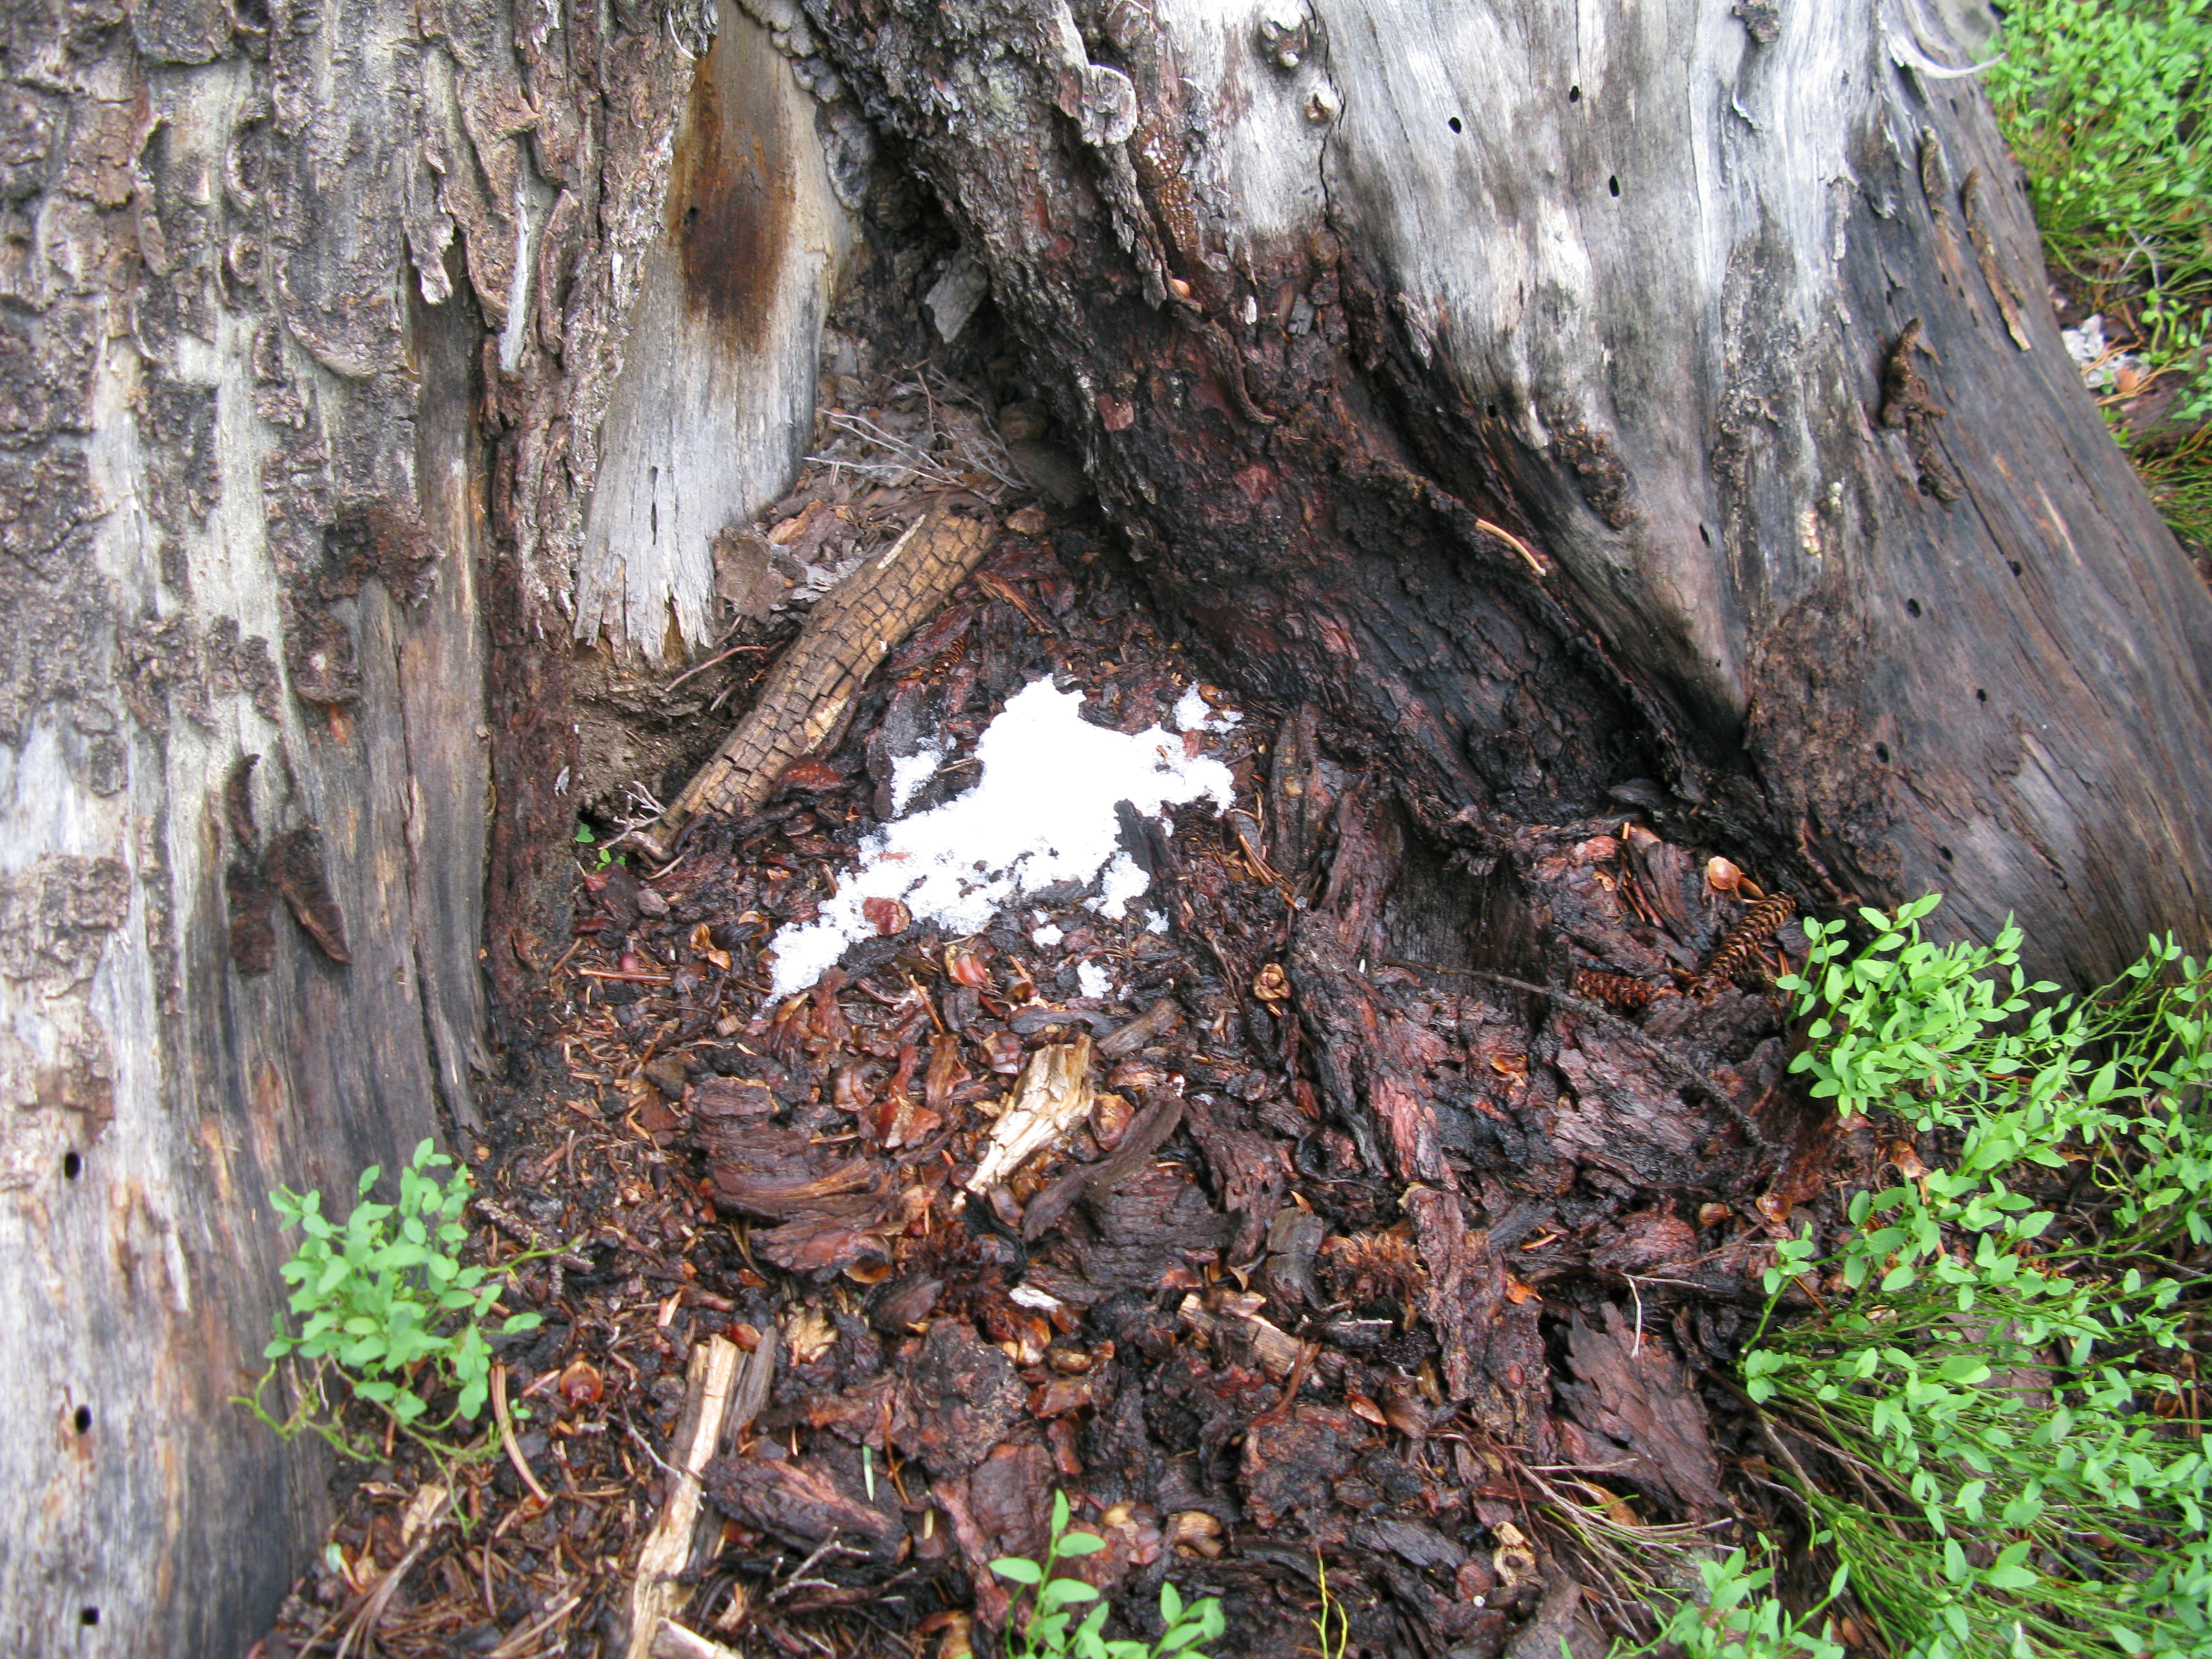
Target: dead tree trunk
{"x": 1555, "y": 400}
{"x": 1585, "y": 408}
{"x": 317, "y": 336}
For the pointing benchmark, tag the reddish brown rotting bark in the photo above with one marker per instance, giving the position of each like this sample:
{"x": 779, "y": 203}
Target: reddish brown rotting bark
{"x": 1304, "y": 1282}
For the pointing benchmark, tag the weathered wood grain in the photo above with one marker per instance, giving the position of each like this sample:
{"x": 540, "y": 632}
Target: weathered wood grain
{"x": 1329, "y": 312}
{"x": 714, "y": 404}
{"x": 313, "y": 320}
{"x": 849, "y": 633}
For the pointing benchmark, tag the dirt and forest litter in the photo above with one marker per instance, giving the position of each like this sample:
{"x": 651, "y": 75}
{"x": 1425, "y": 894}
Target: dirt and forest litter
{"x": 1330, "y": 1179}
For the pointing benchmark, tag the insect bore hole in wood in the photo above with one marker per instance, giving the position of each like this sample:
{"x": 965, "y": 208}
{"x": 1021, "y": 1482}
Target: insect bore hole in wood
{"x": 89, "y": 1616}
{"x": 1704, "y": 536}
{"x": 82, "y": 1419}
{"x": 1614, "y": 185}
{"x": 1454, "y": 123}
{"x": 72, "y": 1166}
{"x": 1574, "y": 94}
{"x": 1882, "y": 753}
{"x": 1944, "y": 853}
{"x": 1912, "y": 608}
{"x": 1980, "y": 695}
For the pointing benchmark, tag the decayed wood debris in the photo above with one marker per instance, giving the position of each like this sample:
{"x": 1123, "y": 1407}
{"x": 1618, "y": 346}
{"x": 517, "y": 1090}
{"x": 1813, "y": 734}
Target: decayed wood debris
{"x": 1056, "y": 1093}
{"x": 656, "y": 1595}
{"x": 1334, "y": 1224}
{"x": 812, "y": 688}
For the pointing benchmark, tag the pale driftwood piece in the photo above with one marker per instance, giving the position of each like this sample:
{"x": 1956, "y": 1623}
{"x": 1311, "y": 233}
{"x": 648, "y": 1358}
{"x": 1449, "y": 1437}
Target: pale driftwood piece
{"x": 1054, "y": 1094}
{"x": 654, "y": 1593}
{"x": 850, "y": 631}
{"x": 727, "y": 1387}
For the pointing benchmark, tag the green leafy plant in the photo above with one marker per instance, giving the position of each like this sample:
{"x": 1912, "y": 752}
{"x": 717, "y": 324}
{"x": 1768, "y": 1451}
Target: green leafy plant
{"x": 606, "y": 856}
{"x": 2179, "y": 478}
{"x": 2108, "y": 105}
{"x": 1048, "y": 1630}
{"x": 1735, "y": 1617}
{"x": 2002, "y": 1378}
{"x": 387, "y": 1308}
{"x": 1904, "y": 1022}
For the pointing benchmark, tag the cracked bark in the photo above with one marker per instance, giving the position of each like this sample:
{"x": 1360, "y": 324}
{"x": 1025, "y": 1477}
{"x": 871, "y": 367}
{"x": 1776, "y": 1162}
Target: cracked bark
{"x": 314, "y": 320}
{"x": 1516, "y": 391}
{"x": 1510, "y": 389}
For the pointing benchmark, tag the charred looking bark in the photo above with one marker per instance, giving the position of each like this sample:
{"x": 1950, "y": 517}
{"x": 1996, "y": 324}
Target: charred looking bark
{"x": 1549, "y": 527}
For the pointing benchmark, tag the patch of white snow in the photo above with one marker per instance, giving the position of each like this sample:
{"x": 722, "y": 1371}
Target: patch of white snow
{"x": 1041, "y": 812}
{"x": 909, "y": 772}
{"x": 1125, "y": 881}
{"x": 1093, "y": 981}
{"x": 1194, "y": 714}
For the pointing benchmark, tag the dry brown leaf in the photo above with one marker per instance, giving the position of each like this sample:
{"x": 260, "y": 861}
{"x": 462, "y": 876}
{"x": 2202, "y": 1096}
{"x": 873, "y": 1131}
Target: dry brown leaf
{"x": 808, "y": 1333}
{"x": 1360, "y": 1406}
{"x": 430, "y": 1498}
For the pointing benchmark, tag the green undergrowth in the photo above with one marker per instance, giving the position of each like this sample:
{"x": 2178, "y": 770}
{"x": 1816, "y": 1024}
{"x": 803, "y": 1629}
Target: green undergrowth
{"x": 1048, "y": 1627}
{"x": 1990, "y": 1418}
{"x": 2108, "y": 105}
{"x": 389, "y": 1317}
{"x": 2179, "y": 478}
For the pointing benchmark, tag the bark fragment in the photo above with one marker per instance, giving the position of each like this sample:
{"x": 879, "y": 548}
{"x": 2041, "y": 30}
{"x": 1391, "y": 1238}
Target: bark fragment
{"x": 814, "y": 684}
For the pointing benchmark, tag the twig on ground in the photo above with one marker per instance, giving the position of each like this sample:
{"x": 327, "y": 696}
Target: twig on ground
{"x": 512, "y": 1648}
{"x": 370, "y": 1613}
{"x": 506, "y": 1438}
{"x": 655, "y": 1594}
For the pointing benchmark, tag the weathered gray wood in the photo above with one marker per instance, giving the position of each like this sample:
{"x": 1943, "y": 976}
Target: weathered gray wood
{"x": 714, "y": 404}
{"x": 1511, "y": 380}
{"x": 309, "y": 332}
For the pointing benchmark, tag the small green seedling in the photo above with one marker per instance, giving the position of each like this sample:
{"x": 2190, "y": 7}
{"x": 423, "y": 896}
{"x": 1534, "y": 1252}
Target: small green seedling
{"x": 1737, "y": 1617}
{"x": 387, "y": 1308}
{"x": 1898, "y": 1023}
{"x": 606, "y": 856}
{"x": 1046, "y": 1632}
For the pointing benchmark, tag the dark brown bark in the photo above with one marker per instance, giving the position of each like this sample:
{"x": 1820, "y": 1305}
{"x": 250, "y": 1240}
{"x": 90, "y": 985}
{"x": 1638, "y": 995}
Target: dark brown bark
{"x": 1567, "y": 413}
